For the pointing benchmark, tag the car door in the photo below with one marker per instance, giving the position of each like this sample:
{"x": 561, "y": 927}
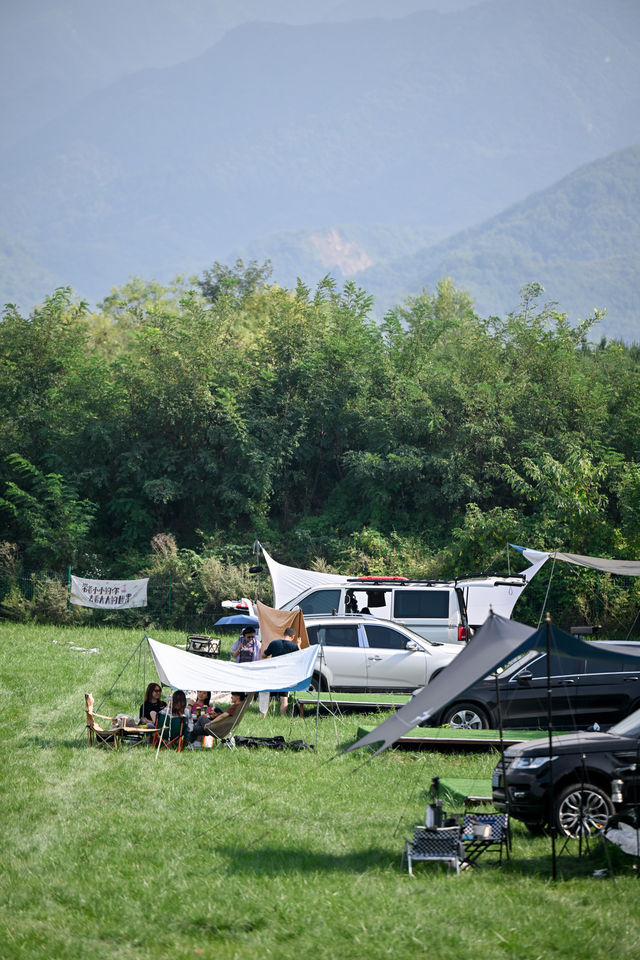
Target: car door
{"x": 524, "y": 702}
{"x": 390, "y": 666}
{"x": 609, "y": 690}
{"x": 342, "y": 657}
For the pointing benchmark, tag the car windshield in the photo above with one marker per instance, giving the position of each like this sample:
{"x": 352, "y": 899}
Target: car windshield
{"x": 629, "y": 727}
{"x": 419, "y": 639}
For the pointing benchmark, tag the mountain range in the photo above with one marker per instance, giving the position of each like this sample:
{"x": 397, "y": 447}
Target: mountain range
{"x": 430, "y": 133}
{"x": 579, "y": 238}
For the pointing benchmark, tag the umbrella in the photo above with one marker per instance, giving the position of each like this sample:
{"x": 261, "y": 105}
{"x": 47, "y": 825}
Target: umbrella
{"x": 238, "y": 620}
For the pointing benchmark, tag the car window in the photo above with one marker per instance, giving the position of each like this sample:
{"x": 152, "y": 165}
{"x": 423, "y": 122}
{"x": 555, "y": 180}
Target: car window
{"x": 334, "y": 636}
{"x": 424, "y": 604}
{"x": 321, "y": 601}
{"x": 560, "y": 667}
{"x": 612, "y": 666}
{"x": 375, "y": 602}
{"x": 385, "y": 638}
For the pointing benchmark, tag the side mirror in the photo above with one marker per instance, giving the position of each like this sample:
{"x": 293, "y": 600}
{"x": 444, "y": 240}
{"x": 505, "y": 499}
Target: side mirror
{"x": 411, "y": 645}
{"x": 524, "y": 678}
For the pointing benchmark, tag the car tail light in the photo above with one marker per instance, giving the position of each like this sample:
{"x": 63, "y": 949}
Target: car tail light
{"x": 462, "y": 634}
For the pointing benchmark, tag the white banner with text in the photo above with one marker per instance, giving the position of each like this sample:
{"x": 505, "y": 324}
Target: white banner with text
{"x": 109, "y": 594}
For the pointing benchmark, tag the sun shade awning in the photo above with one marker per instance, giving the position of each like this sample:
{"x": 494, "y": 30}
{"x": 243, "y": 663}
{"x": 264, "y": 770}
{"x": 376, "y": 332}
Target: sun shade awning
{"x": 188, "y": 671}
{"x": 623, "y": 568}
{"x": 496, "y": 642}
{"x": 481, "y": 594}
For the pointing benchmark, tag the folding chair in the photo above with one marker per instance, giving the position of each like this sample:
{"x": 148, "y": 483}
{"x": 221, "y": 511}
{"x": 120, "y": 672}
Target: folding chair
{"x": 494, "y": 826}
{"x": 123, "y": 729}
{"x": 222, "y": 729}
{"x": 433, "y": 843}
{"x": 170, "y": 732}
{"x": 101, "y": 736}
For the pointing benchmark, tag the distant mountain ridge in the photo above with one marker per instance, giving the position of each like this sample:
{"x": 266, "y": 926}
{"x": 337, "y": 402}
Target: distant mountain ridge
{"x": 433, "y": 121}
{"x": 580, "y": 238}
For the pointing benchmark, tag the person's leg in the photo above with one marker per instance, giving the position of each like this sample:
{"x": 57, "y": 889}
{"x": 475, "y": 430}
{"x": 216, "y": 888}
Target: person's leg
{"x": 284, "y": 704}
{"x": 198, "y": 729}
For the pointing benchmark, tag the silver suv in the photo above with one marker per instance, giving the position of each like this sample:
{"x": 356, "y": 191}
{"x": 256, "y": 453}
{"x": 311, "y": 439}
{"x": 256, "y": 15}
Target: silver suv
{"x": 363, "y": 653}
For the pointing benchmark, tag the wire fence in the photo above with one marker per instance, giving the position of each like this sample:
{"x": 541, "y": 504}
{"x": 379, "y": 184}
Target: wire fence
{"x": 44, "y": 595}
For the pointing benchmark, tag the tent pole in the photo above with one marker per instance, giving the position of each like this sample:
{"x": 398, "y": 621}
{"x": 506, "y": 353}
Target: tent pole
{"x": 99, "y": 707}
{"x": 320, "y": 658}
{"x": 550, "y": 732}
{"x": 546, "y": 596}
{"x": 502, "y": 761}
{"x": 638, "y": 815}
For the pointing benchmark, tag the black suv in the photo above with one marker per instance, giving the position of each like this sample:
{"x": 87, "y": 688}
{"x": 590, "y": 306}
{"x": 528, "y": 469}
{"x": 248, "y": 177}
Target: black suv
{"x": 583, "y": 693}
{"x": 593, "y": 775}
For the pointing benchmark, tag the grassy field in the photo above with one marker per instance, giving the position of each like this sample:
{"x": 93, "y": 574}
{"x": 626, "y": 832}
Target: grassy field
{"x": 245, "y": 853}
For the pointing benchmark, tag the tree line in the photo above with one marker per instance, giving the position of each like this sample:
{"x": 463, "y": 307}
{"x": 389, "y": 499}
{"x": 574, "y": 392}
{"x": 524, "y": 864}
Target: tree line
{"x": 211, "y": 412}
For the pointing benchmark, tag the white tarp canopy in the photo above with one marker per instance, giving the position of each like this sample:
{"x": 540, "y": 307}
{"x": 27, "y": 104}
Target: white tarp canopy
{"x": 623, "y": 568}
{"x": 495, "y": 593}
{"x": 288, "y": 582}
{"x": 480, "y": 595}
{"x": 188, "y": 671}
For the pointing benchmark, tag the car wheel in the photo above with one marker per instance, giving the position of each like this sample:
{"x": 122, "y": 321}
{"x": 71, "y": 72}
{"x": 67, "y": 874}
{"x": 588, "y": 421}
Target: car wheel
{"x": 582, "y": 809}
{"x": 318, "y": 683}
{"x": 465, "y": 716}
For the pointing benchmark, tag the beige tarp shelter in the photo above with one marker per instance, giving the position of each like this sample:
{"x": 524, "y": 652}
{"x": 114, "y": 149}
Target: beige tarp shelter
{"x": 273, "y": 623}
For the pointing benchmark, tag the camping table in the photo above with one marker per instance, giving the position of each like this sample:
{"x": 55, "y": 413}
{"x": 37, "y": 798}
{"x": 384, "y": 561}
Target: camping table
{"x": 136, "y": 734}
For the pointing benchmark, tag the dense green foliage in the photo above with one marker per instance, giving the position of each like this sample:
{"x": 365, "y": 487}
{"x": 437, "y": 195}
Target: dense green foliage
{"x": 420, "y": 446}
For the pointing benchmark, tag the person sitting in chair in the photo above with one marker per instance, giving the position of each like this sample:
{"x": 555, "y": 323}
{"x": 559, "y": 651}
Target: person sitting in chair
{"x": 201, "y": 725}
{"x": 152, "y": 703}
{"x": 201, "y": 706}
{"x": 237, "y": 699}
{"x": 178, "y": 708}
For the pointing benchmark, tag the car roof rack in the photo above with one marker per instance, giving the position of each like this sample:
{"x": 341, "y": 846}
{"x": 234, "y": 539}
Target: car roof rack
{"x": 396, "y": 581}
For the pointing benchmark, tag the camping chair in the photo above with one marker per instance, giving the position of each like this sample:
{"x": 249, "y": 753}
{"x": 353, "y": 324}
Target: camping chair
{"x": 101, "y": 736}
{"x": 433, "y": 843}
{"x": 222, "y": 729}
{"x": 170, "y": 732}
{"x": 496, "y": 828}
{"x": 123, "y": 729}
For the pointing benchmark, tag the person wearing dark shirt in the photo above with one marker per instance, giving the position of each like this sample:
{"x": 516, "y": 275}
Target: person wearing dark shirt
{"x": 289, "y": 643}
{"x": 152, "y": 703}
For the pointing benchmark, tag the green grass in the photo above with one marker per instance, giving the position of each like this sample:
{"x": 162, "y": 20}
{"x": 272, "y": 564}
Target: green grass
{"x": 245, "y": 853}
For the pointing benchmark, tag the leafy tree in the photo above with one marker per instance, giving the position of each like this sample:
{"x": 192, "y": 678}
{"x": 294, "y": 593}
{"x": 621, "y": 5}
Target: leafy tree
{"x": 238, "y": 282}
{"x": 45, "y": 516}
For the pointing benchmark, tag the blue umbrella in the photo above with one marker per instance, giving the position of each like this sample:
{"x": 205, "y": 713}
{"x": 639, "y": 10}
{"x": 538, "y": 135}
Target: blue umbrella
{"x": 239, "y": 620}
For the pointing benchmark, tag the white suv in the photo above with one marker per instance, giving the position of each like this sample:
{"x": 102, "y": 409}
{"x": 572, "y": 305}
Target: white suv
{"x": 434, "y": 610}
{"x": 363, "y": 653}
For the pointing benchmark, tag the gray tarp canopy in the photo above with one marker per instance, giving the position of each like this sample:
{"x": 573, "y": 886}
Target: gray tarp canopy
{"x": 623, "y": 568}
{"x": 496, "y": 642}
